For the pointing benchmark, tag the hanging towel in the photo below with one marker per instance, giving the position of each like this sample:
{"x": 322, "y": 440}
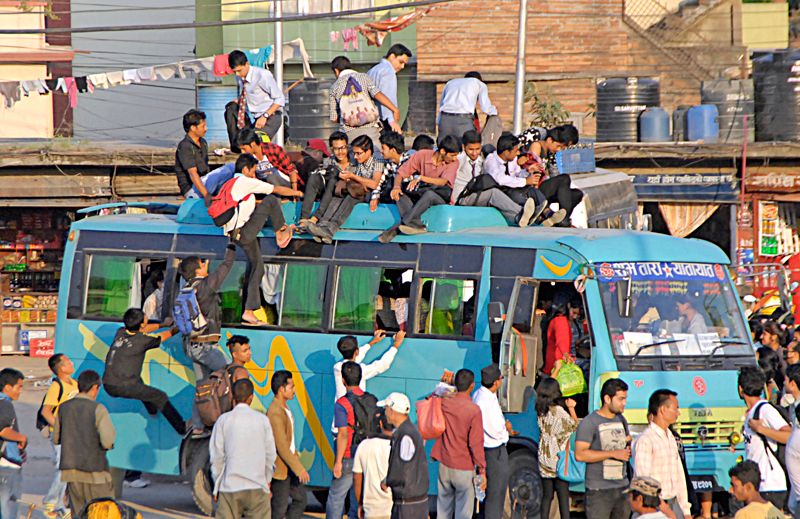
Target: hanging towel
{"x": 25, "y": 87}
{"x": 295, "y": 49}
{"x": 82, "y": 84}
{"x": 116, "y": 78}
{"x": 61, "y": 85}
{"x": 131, "y": 76}
{"x": 51, "y": 84}
{"x": 350, "y": 36}
{"x": 335, "y": 36}
{"x": 146, "y": 73}
{"x": 259, "y": 57}
{"x": 167, "y": 71}
{"x": 198, "y": 66}
{"x": 10, "y": 91}
{"x": 221, "y": 67}
{"x": 98, "y": 80}
{"x": 72, "y": 91}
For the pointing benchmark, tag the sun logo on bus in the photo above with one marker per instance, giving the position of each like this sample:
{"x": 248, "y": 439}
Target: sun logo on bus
{"x": 719, "y": 272}
{"x": 699, "y": 386}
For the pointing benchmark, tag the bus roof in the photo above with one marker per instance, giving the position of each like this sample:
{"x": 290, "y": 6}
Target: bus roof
{"x": 590, "y": 245}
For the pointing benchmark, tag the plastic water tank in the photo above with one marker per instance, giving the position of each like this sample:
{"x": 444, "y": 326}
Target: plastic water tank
{"x": 308, "y": 111}
{"x": 679, "y": 123}
{"x": 734, "y": 99}
{"x": 212, "y": 99}
{"x": 654, "y": 125}
{"x": 777, "y": 102}
{"x": 702, "y": 123}
{"x": 619, "y": 103}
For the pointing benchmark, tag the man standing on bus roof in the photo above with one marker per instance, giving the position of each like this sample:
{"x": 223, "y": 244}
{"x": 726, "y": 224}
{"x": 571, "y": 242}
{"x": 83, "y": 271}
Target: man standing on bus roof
{"x": 350, "y": 351}
{"x": 384, "y": 75}
{"x": 122, "y": 377}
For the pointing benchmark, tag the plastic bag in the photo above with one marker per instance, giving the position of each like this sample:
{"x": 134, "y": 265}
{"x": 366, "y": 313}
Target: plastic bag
{"x": 430, "y": 418}
{"x": 570, "y": 379}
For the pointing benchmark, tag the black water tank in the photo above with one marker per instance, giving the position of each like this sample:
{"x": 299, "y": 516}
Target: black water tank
{"x": 619, "y": 103}
{"x": 776, "y": 79}
{"x": 308, "y": 111}
{"x": 734, "y": 98}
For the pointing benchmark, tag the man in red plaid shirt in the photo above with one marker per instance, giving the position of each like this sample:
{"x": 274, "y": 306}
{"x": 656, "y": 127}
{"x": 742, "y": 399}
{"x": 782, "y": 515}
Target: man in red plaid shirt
{"x": 274, "y": 165}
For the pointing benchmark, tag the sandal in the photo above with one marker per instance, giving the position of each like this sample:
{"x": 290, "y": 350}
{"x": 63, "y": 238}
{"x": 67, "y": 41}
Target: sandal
{"x": 283, "y": 243}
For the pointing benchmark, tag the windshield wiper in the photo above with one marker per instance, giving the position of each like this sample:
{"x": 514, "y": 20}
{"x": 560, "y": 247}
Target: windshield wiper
{"x": 646, "y": 346}
{"x": 724, "y": 343}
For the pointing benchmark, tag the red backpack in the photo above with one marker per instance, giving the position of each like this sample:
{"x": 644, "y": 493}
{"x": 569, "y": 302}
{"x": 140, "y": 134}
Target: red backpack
{"x": 223, "y": 206}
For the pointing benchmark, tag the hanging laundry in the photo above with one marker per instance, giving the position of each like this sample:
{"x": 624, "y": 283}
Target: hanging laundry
{"x": 146, "y": 73}
{"x": 221, "y": 66}
{"x": 131, "y": 76}
{"x": 10, "y": 92}
{"x": 198, "y": 66}
{"x": 82, "y": 84}
{"x": 72, "y": 91}
{"x": 167, "y": 71}
{"x": 41, "y": 86}
{"x": 375, "y": 32}
{"x": 335, "y": 36}
{"x": 98, "y": 80}
{"x": 259, "y": 57}
{"x": 61, "y": 85}
{"x": 51, "y": 84}
{"x": 116, "y": 78}
{"x": 350, "y": 36}
{"x": 25, "y": 87}
{"x": 296, "y": 49}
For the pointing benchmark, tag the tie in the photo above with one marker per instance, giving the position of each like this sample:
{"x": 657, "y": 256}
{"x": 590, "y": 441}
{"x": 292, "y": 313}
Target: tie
{"x": 242, "y": 107}
{"x": 507, "y": 172}
{"x": 473, "y": 170}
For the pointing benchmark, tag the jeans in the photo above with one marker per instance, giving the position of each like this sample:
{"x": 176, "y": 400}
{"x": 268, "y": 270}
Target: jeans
{"x": 337, "y": 213}
{"x": 455, "y": 125}
{"x": 10, "y": 492}
{"x": 497, "y": 474}
{"x": 213, "y": 180}
{"x": 456, "y": 494}
{"x": 206, "y": 358}
{"x": 609, "y": 503}
{"x": 497, "y": 199}
{"x": 338, "y": 491}
{"x": 561, "y": 489}
{"x": 55, "y": 496}
{"x": 316, "y": 187}
{"x": 154, "y": 400}
{"x": 411, "y": 213}
{"x": 282, "y": 490}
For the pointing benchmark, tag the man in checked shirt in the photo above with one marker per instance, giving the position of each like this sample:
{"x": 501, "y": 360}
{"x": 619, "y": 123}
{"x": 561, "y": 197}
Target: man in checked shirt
{"x": 655, "y": 453}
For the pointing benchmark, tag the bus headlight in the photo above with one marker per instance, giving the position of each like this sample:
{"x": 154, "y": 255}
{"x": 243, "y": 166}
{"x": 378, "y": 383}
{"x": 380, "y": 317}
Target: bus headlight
{"x": 734, "y": 438}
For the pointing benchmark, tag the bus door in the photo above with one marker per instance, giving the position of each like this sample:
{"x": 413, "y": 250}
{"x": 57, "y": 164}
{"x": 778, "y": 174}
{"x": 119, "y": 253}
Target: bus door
{"x": 520, "y": 345}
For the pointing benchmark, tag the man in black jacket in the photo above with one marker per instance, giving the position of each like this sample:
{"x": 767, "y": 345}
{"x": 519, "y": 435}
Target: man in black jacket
{"x": 84, "y": 430}
{"x": 408, "y": 465}
{"x": 206, "y": 357}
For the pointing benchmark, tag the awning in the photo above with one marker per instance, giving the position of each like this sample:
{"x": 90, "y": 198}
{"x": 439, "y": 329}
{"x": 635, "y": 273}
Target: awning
{"x": 687, "y": 187}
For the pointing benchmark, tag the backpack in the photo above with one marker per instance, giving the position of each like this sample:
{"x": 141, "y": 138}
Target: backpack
{"x": 186, "y": 311}
{"x": 477, "y": 184}
{"x": 223, "y": 206}
{"x": 365, "y": 411}
{"x": 780, "y": 454}
{"x": 107, "y": 508}
{"x": 356, "y": 106}
{"x": 213, "y": 395}
{"x": 41, "y": 423}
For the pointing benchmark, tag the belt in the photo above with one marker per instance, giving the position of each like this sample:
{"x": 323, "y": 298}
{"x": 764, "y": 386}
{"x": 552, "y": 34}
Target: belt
{"x": 410, "y": 500}
{"x": 468, "y": 116}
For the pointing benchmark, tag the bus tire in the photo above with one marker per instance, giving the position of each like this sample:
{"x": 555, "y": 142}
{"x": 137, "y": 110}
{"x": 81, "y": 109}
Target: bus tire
{"x": 524, "y": 499}
{"x": 199, "y": 476}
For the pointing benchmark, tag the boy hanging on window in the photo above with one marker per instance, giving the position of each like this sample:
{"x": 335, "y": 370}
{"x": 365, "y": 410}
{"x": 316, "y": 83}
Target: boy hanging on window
{"x": 123, "y": 373}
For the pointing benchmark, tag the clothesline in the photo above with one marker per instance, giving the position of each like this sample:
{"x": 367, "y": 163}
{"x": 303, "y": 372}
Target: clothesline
{"x": 13, "y": 91}
{"x": 376, "y": 32}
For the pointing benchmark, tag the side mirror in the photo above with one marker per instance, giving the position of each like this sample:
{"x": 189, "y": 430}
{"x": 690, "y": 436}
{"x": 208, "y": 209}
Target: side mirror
{"x": 624, "y": 297}
{"x": 497, "y": 316}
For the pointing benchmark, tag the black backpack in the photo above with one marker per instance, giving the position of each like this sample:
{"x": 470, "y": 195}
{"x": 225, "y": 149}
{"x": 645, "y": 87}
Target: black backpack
{"x": 780, "y": 454}
{"x": 41, "y": 423}
{"x": 365, "y": 409}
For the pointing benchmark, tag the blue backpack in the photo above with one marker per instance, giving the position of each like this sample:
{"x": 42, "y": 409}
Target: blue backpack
{"x": 187, "y": 314}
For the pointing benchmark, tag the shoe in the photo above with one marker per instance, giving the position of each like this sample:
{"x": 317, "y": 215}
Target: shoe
{"x": 388, "y": 235}
{"x": 555, "y": 218}
{"x": 136, "y": 483}
{"x": 528, "y": 211}
{"x": 413, "y": 229}
{"x": 302, "y": 225}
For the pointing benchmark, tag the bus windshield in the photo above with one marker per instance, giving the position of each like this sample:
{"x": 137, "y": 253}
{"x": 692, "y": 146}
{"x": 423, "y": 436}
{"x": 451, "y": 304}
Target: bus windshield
{"x": 674, "y": 310}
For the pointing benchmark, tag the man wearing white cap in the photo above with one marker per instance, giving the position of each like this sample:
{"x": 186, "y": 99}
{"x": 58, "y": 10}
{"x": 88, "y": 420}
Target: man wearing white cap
{"x": 408, "y": 465}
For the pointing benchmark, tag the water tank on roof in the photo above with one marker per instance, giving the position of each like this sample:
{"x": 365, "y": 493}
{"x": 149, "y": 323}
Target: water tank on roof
{"x": 308, "y": 111}
{"x": 212, "y": 99}
{"x": 702, "y": 123}
{"x": 734, "y": 98}
{"x": 654, "y": 125}
{"x": 777, "y": 95}
{"x": 619, "y": 103}
{"x": 679, "y": 123}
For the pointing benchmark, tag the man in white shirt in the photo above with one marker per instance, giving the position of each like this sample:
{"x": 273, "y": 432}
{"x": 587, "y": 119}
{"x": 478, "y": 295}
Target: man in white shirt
{"x": 370, "y": 467}
{"x": 384, "y": 75}
{"x": 470, "y": 166}
{"x": 262, "y": 97}
{"x": 656, "y": 455}
{"x": 350, "y": 351}
{"x": 246, "y": 221}
{"x": 460, "y": 96}
{"x": 243, "y": 454}
{"x": 495, "y": 437}
{"x": 764, "y": 428}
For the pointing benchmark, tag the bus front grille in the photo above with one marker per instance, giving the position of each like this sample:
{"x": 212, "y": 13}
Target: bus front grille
{"x": 708, "y": 433}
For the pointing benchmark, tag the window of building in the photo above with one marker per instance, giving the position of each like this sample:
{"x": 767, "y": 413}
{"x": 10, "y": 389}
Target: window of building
{"x": 371, "y": 297}
{"x": 446, "y": 307}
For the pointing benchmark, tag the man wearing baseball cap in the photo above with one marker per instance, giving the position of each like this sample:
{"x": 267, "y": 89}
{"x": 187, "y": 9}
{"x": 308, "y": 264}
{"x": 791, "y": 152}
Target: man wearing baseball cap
{"x": 408, "y": 465}
{"x": 644, "y": 496}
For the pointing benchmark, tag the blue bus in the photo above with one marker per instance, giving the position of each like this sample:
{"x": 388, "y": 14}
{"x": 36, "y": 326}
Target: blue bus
{"x": 474, "y": 291}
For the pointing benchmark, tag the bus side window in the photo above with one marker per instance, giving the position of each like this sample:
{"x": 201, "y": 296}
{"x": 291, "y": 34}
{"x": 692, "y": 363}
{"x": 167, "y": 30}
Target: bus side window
{"x": 447, "y": 307}
{"x": 303, "y": 301}
{"x": 116, "y": 283}
{"x": 371, "y": 297}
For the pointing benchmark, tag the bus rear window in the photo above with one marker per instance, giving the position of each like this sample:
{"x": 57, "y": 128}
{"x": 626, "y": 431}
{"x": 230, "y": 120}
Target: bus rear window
{"x": 110, "y": 287}
{"x": 446, "y": 307}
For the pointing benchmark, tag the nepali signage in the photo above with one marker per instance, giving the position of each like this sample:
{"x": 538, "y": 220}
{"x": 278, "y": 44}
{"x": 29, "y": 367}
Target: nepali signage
{"x": 766, "y": 181}
{"x": 660, "y": 270}
{"x": 695, "y": 187}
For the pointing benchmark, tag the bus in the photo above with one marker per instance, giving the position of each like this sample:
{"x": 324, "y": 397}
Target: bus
{"x": 475, "y": 292}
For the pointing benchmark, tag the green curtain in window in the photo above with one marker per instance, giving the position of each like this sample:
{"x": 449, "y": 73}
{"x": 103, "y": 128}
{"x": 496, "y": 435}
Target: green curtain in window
{"x": 447, "y": 316}
{"x": 355, "y": 298}
{"x": 303, "y": 296}
{"x": 231, "y": 293}
{"x": 109, "y": 292}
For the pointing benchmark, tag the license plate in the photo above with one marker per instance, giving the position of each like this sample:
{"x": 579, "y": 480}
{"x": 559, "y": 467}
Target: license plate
{"x": 704, "y": 483}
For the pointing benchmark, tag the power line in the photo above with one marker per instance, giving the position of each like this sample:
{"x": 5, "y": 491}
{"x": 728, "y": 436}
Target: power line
{"x": 222, "y": 23}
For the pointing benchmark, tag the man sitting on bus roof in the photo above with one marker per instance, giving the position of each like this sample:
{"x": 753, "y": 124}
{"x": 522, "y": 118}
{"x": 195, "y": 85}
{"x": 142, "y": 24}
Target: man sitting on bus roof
{"x": 274, "y": 165}
{"x": 191, "y": 161}
{"x": 123, "y": 373}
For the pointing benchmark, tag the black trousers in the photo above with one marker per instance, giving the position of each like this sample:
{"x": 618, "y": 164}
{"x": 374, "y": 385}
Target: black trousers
{"x": 556, "y": 189}
{"x": 497, "y": 474}
{"x": 411, "y": 213}
{"x": 317, "y": 187}
{"x": 559, "y": 487}
{"x": 268, "y": 209}
{"x": 154, "y": 400}
{"x": 282, "y": 490}
{"x": 607, "y": 504}
{"x": 231, "y": 118}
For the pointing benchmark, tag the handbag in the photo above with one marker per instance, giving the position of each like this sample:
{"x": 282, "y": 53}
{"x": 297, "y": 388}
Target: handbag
{"x": 570, "y": 379}
{"x": 430, "y": 417}
{"x": 567, "y": 467}
{"x": 350, "y": 187}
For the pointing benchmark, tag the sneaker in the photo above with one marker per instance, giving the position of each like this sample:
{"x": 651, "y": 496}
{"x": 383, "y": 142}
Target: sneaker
{"x": 528, "y": 211}
{"x": 388, "y": 235}
{"x": 302, "y": 224}
{"x": 555, "y": 218}
{"x": 413, "y": 229}
{"x": 136, "y": 483}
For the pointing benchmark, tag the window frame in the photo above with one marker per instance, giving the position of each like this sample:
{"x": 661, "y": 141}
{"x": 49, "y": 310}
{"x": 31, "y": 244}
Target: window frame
{"x": 414, "y": 315}
{"x": 323, "y": 327}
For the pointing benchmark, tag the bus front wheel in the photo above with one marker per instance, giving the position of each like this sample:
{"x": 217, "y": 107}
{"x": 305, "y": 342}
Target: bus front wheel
{"x": 199, "y": 476}
{"x": 524, "y": 499}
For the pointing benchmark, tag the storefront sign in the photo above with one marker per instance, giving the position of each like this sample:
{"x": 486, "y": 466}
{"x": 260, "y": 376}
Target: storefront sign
{"x": 763, "y": 180}
{"x": 42, "y": 347}
{"x": 699, "y": 187}
{"x": 767, "y": 228}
